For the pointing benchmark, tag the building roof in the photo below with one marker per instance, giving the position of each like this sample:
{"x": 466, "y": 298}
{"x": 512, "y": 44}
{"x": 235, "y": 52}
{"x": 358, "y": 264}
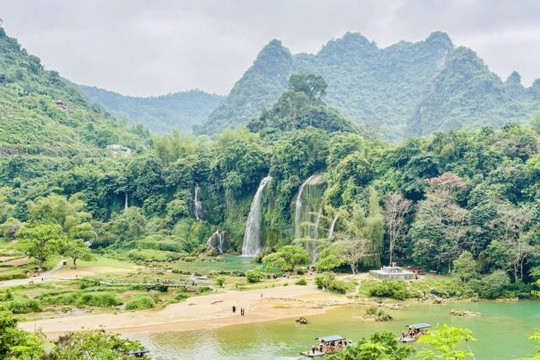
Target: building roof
{"x": 330, "y": 338}
{"x": 420, "y": 326}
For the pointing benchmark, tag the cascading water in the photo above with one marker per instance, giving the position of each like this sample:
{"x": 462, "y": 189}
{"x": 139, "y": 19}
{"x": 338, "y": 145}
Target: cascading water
{"x": 298, "y": 208}
{"x": 216, "y": 241}
{"x": 332, "y": 226}
{"x": 317, "y": 222}
{"x": 252, "y": 236}
{"x": 315, "y": 236}
{"x": 197, "y": 203}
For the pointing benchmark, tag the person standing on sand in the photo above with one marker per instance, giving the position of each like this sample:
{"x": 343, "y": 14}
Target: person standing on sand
{"x": 234, "y": 309}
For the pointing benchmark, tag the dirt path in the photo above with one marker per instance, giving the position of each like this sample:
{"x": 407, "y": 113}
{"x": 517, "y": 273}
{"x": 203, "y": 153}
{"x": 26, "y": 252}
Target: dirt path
{"x": 44, "y": 276}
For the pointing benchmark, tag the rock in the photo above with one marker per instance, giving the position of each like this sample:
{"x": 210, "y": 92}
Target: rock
{"x": 302, "y": 320}
{"x": 464, "y": 313}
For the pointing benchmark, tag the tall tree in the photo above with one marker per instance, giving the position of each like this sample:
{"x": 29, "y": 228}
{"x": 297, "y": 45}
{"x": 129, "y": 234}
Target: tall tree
{"x": 396, "y": 209}
{"x": 353, "y": 250}
{"x": 514, "y": 244}
{"x": 40, "y": 242}
{"x": 439, "y": 232}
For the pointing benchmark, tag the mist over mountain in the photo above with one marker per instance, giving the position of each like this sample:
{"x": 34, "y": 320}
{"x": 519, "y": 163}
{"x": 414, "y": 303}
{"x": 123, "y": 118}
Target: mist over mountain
{"x": 404, "y": 89}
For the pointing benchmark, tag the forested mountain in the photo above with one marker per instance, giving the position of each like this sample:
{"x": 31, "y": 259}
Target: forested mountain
{"x": 160, "y": 114}
{"x": 47, "y": 127}
{"x": 319, "y": 180}
{"x": 406, "y": 88}
{"x": 41, "y": 114}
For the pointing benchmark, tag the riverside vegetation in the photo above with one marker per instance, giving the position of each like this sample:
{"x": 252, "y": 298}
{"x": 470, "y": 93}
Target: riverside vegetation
{"x": 77, "y": 183}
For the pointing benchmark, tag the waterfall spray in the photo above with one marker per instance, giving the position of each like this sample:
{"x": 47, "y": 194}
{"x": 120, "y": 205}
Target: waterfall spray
{"x": 332, "y": 226}
{"x": 252, "y": 235}
{"x": 197, "y": 203}
{"x": 298, "y": 208}
{"x": 216, "y": 241}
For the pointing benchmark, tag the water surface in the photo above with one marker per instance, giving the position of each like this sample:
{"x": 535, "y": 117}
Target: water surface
{"x": 502, "y": 332}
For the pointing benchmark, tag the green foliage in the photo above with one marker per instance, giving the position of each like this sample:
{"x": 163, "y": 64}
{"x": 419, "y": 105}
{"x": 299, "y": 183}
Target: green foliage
{"x": 302, "y": 282}
{"x": 396, "y": 289}
{"x": 254, "y": 276}
{"x": 96, "y": 298}
{"x": 378, "y": 346}
{"x": 449, "y": 343}
{"x": 19, "y": 304}
{"x": 41, "y": 242}
{"x": 299, "y": 108}
{"x": 465, "y": 267}
{"x": 140, "y": 302}
{"x": 287, "y": 258}
{"x": 330, "y": 283}
{"x": 101, "y": 345}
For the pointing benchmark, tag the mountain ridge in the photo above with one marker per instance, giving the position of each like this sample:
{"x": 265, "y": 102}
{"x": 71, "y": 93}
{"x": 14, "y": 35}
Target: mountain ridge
{"x": 163, "y": 113}
{"x": 380, "y": 86}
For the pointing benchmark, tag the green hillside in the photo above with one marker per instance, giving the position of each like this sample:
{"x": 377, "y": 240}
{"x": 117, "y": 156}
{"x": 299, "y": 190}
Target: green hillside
{"x": 407, "y": 88}
{"x": 41, "y": 114}
{"x": 160, "y": 114}
{"x": 48, "y": 128}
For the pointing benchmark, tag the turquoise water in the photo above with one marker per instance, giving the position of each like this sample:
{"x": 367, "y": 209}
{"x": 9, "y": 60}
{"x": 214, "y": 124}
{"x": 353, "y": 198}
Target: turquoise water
{"x": 230, "y": 263}
{"x": 502, "y": 332}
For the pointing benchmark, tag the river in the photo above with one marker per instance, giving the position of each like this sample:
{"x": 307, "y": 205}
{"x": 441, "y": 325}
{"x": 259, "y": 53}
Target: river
{"x": 502, "y": 332}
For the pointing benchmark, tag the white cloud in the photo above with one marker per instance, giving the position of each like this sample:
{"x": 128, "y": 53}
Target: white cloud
{"x": 141, "y": 47}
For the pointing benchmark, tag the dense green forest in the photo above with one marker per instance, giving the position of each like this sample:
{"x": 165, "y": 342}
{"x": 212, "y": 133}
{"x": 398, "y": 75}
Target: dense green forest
{"x": 404, "y": 89}
{"x": 443, "y": 202}
{"x": 161, "y": 114}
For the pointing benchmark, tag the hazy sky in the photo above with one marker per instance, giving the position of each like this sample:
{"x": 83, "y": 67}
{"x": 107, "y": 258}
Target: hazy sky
{"x": 151, "y": 47}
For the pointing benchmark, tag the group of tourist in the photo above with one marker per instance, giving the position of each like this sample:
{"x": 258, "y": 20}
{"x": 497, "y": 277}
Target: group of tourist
{"x": 242, "y": 311}
{"x": 413, "y": 333}
{"x": 329, "y": 347}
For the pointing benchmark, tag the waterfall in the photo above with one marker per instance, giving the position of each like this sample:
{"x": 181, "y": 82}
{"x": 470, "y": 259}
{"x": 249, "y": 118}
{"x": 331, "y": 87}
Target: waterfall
{"x": 298, "y": 208}
{"x": 126, "y": 202}
{"x": 252, "y": 236}
{"x": 197, "y": 203}
{"x": 216, "y": 241}
{"x": 331, "y": 230}
{"x": 315, "y": 237}
{"x": 317, "y": 222}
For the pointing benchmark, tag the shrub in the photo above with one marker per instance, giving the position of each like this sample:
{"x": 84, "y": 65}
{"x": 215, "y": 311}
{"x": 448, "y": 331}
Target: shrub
{"x": 301, "y": 282}
{"x": 254, "y": 276}
{"x": 330, "y": 283}
{"x": 395, "y": 289}
{"x": 220, "y": 281}
{"x": 181, "y": 296}
{"x": 140, "y": 302}
{"x": 21, "y": 305}
{"x": 100, "y": 299}
{"x": 377, "y": 314}
{"x": 493, "y": 285}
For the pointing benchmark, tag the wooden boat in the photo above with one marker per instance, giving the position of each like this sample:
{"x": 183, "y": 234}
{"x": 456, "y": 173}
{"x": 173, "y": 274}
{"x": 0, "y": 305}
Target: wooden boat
{"x": 327, "y": 345}
{"x": 413, "y": 332}
{"x": 142, "y": 353}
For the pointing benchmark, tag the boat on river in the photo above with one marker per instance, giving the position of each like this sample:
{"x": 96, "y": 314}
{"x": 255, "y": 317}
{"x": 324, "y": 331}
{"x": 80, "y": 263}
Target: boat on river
{"x": 327, "y": 345}
{"x": 413, "y": 332}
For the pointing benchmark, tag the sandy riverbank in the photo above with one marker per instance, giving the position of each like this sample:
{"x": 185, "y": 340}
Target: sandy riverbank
{"x": 203, "y": 312}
